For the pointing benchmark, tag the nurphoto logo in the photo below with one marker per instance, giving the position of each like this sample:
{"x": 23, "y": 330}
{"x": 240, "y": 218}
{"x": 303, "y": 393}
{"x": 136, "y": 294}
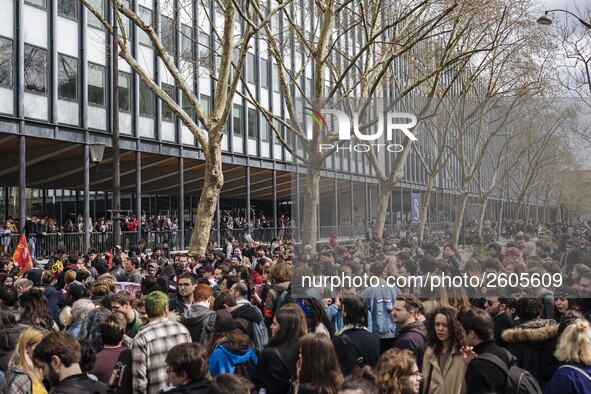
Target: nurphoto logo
{"x": 391, "y": 122}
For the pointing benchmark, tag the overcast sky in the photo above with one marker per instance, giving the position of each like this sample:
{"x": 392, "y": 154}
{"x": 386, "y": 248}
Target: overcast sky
{"x": 565, "y": 4}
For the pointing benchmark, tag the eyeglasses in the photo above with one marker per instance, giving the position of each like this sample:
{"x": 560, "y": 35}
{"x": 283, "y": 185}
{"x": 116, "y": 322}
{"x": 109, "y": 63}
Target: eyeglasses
{"x": 491, "y": 302}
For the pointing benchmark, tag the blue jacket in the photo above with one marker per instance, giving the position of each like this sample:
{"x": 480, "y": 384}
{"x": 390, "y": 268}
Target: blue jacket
{"x": 380, "y": 301}
{"x": 222, "y": 360}
{"x": 569, "y": 381}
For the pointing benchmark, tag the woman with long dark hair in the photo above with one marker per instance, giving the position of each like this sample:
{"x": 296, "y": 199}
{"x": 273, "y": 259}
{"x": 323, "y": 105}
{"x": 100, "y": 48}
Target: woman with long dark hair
{"x": 34, "y": 312}
{"x": 230, "y": 348}
{"x": 276, "y": 370}
{"x": 443, "y": 366}
{"x": 318, "y": 368}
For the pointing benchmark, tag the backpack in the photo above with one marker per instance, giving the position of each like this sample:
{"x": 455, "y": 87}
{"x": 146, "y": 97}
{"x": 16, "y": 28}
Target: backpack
{"x": 116, "y": 378}
{"x": 260, "y": 335}
{"x": 518, "y": 381}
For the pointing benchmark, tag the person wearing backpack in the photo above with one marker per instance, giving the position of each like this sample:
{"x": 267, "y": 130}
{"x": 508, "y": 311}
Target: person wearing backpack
{"x": 484, "y": 375}
{"x": 249, "y": 317}
{"x": 280, "y": 276}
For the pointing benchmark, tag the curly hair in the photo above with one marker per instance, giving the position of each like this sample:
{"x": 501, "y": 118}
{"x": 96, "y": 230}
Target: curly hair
{"x": 280, "y": 273}
{"x": 455, "y": 332}
{"x": 36, "y": 311}
{"x": 394, "y": 366}
{"x": 99, "y": 288}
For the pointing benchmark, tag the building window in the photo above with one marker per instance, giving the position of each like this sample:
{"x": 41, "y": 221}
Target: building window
{"x": 96, "y": 84}
{"x": 187, "y": 43}
{"x": 205, "y": 52}
{"x": 167, "y": 113}
{"x": 167, "y": 31}
{"x": 146, "y": 100}
{"x": 264, "y": 130}
{"x": 237, "y": 120}
{"x": 93, "y": 21}
{"x": 126, "y": 22}
{"x": 206, "y": 105}
{"x": 6, "y": 57}
{"x": 35, "y": 69}
{"x": 67, "y": 77}
{"x": 252, "y": 123}
{"x": 124, "y": 92}
{"x": 38, "y": 3}
{"x": 250, "y": 70}
{"x": 146, "y": 15}
{"x": 187, "y": 107}
{"x": 276, "y": 86}
{"x": 278, "y": 127}
{"x": 68, "y": 8}
{"x": 264, "y": 73}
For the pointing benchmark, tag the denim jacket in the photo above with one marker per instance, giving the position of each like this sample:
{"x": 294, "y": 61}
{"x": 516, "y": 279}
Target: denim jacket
{"x": 380, "y": 301}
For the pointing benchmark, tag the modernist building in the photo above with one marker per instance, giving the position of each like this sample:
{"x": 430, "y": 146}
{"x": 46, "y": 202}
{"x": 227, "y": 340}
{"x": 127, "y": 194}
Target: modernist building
{"x": 55, "y": 100}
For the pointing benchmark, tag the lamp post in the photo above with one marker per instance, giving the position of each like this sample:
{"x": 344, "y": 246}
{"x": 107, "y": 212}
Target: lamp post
{"x": 115, "y": 137}
{"x": 97, "y": 151}
{"x": 547, "y": 20}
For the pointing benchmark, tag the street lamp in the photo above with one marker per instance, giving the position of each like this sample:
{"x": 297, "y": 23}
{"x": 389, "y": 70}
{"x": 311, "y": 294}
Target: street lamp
{"x": 547, "y": 20}
{"x": 97, "y": 151}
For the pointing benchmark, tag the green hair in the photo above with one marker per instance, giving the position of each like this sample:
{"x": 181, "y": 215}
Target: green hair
{"x": 156, "y": 304}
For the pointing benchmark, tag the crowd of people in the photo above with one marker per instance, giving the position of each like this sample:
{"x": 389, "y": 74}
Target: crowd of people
{"x": 142, "y": 321}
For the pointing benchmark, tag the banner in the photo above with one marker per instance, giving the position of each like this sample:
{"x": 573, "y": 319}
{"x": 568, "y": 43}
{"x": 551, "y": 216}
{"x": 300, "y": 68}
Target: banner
{"x": 22, "y": 256}
{"x": 415, "y": 207}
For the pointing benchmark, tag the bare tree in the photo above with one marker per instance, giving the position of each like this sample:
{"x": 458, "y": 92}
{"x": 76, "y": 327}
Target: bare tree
{"x": 352, "y": 49}
{"x": 229, "y": 46}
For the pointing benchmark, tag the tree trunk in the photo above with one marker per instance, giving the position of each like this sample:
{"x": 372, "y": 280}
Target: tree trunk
{"x": 311, "y": 200}
{"x": 500, "y": 223}
{"x": 385, "y": 191}
{"x": 481, "y": 213}
{"x": 425, "y": 207}
{"x": 459, "y": 220}
{"x": 212, "y": 185}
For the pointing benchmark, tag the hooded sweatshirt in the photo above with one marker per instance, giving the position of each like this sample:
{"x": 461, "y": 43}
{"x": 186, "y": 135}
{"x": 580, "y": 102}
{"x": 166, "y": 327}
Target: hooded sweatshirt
{"x": 199, "y": 320}
{"x": 245, "y": 315}
{"x": 225, "y": 360}
{"x": 414, "y": 338}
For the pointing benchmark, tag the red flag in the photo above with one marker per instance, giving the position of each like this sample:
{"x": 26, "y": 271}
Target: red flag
{"x": 22, "y": 256}
{"x": 110, "y": 259}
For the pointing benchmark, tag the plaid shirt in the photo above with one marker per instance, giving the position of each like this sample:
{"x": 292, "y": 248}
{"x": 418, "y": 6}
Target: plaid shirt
{"x": 148, "y": 353}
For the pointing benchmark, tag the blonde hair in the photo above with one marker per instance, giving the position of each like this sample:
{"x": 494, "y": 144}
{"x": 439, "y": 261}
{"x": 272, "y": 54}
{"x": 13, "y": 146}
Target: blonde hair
{"x": 21, "y": 359}
{"x": 77, "y": 312}
{"x": 574, "y": 344}
{"x": 70, "y": 276}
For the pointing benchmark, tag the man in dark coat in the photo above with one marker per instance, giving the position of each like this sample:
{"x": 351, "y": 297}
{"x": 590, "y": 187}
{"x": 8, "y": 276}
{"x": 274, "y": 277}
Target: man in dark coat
{"x": 354, "y": 345}
{"x": 496, "y": 306}
{"x": 412, "y": 335}
{"x": 482, "y": 376}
